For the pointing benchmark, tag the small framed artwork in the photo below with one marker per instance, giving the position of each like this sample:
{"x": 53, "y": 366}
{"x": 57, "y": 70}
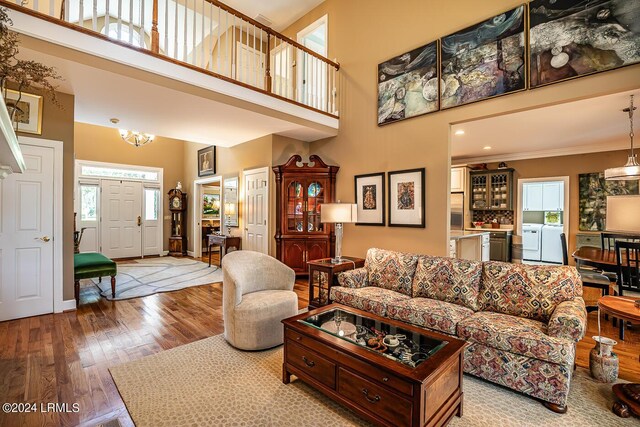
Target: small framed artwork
{"x": 369, "y": 191}
{"x": 28, "y": 111}
{"x": 207, "y": 161}
{"x": 211, "y": 206}
{"x": 406, "y": 198}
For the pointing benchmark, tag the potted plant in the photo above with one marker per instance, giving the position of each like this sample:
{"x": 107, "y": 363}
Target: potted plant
{"x": 19, "y": 73}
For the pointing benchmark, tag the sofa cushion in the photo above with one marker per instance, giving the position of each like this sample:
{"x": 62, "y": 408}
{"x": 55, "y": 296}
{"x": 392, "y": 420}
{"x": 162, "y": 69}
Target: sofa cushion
{"x": 447, "y": 279}
{"x": 391, "y": 270}
{"x": 429, "y": 313}
{"x": 516, "y": 335}
{"x": 371, "y": 299}
{"x": 531, "y": 291}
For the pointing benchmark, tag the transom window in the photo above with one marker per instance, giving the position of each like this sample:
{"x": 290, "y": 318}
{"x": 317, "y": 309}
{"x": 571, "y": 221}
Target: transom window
{"x": 118, "y": 173}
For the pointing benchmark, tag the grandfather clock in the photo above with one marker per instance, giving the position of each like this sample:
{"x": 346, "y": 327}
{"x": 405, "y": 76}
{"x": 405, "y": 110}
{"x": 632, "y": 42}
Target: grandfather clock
{"x": 178, "y": 208}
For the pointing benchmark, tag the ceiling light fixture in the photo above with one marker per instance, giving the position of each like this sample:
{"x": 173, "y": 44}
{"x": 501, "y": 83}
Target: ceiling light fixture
{"x": 459, "y": 132}
{"x": 135, "y": 138}
{"x": 486, "y": 148}
{"x": 630, "y": 171}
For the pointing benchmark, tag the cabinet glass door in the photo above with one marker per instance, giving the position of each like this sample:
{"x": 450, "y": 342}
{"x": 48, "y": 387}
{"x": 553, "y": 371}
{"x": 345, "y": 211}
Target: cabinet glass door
{"x": 479, "y": 192}
{"x": 315, "y": 199}
{"x": 295, "y": 207}
{"x": 499, "y": 191}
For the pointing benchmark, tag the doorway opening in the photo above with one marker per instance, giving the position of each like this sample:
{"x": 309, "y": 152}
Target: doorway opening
{"x": 207, "y": 212}
{"x": 312, "y": 75}
{"x": 543, "y": 215}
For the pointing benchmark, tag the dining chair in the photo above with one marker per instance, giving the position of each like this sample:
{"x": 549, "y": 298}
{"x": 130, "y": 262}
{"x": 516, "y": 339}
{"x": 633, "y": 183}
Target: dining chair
{"x": 608, "y": 240}
{"x": 628, "y": 259}
{"x": 590, "y": 278}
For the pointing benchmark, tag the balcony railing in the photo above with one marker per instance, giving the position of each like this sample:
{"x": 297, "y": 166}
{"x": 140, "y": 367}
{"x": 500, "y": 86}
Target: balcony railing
{"x": 208, "y": 36}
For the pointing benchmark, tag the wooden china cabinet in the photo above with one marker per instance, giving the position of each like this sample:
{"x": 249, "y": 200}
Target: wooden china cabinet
{"x": 301, "y": 189}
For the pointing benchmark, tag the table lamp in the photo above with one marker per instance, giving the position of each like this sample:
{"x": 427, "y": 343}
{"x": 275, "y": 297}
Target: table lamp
{"x": 229, "y": 211}
{"x": 338, "y": 214}
{"x": 623, "y": 214}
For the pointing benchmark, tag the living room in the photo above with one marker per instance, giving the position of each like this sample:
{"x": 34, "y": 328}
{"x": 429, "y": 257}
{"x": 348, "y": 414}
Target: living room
{"x": 147, "y": 360}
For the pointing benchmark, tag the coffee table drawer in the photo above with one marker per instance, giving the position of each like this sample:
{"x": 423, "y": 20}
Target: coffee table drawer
{"x": 311, "y": 363}
{"x": 373, "y": 398}
{"x": 379, "y": 375}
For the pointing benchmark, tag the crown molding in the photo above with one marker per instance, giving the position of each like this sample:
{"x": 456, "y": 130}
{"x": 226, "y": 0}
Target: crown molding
{"x": 557, "y": 152}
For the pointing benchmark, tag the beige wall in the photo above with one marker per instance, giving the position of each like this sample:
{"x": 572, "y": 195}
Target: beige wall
{"x": 364, "y": 33}
{"x": 570, "y": 166}
{"x": 265, "y": 151}
{"x": 57, "y": 125}
{"x": 103, "y": 144}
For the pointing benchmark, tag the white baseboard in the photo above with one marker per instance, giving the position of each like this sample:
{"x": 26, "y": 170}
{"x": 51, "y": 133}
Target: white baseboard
{"x": 164, "y": 253}
{"x": 191, "y": 254}
{"x": 69, "y": 305}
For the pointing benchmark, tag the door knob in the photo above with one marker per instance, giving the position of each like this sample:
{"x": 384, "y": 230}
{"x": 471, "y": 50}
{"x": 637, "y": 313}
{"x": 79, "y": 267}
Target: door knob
{"x": 43, "y": 239}
{"x": 139, "y": 220}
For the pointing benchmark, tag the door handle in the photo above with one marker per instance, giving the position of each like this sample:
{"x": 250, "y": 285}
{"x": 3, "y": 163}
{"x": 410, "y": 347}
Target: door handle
{"x": 139, "y": 220}
{"x": 45, "y": 239}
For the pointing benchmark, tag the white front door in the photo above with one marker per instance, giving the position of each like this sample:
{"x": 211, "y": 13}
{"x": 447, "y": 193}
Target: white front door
{"x": 256, "y": 204}
{"x": 121, "y": 219}
{"x": 152, "y": 221}
{"x": 26, "y": 237}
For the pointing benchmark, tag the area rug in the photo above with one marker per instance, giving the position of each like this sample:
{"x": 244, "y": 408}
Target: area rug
{"x": 152, "y": 275}
{"x": 209, "y": 383}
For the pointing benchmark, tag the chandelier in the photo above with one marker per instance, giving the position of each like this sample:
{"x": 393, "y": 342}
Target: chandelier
{"x": 631, "y": 170}
{"x": 135, "y": 138}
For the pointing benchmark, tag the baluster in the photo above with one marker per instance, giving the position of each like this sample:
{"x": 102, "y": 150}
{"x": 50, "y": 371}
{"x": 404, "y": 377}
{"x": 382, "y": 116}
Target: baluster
{"x": 66, "y": 10}
{"x": 194, "y": 52}
{"x": 218, "y": 41}
{"x": 184, "y": 33}
{"x": 226, "y": 45}
{"x": 36, "y": 5}
{"x": 155, "y": 35}
{"x": 233, "y": 49}
{"x": 211, "y": 40}
{"x": 142, "y": 20}
{"x": 130, "y": 21}
{"x": 267, "y": 71}
{"x": 94, "y": 16}
{"x": 203, "y": 64}
{"x": 262, "y": 64}
{"x": 81, "y": 14}
{"x": 107, "y": 18}
{"x": 119, "y": 26}
{"x": 52, "y": 7}
{"x": 175, "y": 31}
{"x": 255, "y": 59}
{"x": 334, "y": 91}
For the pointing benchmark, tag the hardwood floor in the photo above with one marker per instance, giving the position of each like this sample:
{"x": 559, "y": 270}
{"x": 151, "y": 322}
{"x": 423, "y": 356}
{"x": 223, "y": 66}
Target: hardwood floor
{"x": 64, "y": 358}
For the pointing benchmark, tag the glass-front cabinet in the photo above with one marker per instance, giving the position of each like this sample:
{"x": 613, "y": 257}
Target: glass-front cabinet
{"x": 301, "y": 190}
{"x": 491, "y": 190}
{"x": 304, "y": 203}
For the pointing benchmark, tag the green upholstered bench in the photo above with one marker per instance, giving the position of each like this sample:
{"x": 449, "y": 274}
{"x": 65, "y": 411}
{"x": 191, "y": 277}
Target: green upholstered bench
{"x": 93, "y": 264}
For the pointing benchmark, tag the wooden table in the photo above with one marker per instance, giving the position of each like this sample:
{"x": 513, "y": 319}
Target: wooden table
{"x": 323, "y": 274}
{"x": 603, "y": 259}
{"x": 382, "y": 390}
{"x": 628, "y": 395}
{"x": 225, "y": 243}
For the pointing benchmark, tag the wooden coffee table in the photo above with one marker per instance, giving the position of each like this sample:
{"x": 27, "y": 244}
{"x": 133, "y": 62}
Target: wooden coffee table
{"x": 424, "y": 389}
{"x": 628, "y": 395}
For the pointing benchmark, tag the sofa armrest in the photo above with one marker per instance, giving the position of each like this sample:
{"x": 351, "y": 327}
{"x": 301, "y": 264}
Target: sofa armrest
{"x": 569, "y": 320}
{"x": 358, "y": 278}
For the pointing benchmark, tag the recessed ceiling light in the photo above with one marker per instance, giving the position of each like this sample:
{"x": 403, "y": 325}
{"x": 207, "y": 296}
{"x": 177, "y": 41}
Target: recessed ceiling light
{"x": 486, "y": 148}
{"x": 459, "y": 132}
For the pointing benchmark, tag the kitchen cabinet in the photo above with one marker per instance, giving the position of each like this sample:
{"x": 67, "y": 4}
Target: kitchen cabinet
{"x": 553, "y": 196}
{"x": 532, "y": 196}
{"x": 491, "y": 190}
{"x": 458, "y": 180}
{"x": 500, "y": 246}
{"x": 543, "y": 196}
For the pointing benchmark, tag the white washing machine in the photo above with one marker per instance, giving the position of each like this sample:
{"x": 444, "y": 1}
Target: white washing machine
{"x": 551, "y": 244}
{"x": 532, "y": 242}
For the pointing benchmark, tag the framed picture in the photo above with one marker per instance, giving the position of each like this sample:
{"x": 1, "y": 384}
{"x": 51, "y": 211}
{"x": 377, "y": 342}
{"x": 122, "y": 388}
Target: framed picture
{"x": 570, "y": 38}
{"x": 408, "y": 85}
{"x": 207, "y": 161}
{"x": 369, "y": 190}
{"x": 485, "y": 60}
{"x": 592, "y": 205}
{"x": 211, "y": 206}
{"x": 28, "y": 114}
{"x": 406, "y": 198}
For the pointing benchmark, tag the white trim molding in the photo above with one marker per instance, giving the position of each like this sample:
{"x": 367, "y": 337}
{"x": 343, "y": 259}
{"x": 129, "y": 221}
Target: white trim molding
{"x": 68, "y": 305}
{"x": 197, "y": 199}
{"x": 565, "y": 213}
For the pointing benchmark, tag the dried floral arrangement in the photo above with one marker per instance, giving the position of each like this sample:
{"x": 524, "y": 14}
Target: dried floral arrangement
{"x": 22, "y": 74}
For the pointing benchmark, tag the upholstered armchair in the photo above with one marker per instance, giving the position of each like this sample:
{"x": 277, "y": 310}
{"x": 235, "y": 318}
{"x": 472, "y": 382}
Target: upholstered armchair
{"x": 257, "y": 293}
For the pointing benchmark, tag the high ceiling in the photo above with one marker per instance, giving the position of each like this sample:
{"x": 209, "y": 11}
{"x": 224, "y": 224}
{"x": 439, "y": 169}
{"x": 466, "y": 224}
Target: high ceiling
{"x": 281, "y": 13}
{"x": 589, "y": 125}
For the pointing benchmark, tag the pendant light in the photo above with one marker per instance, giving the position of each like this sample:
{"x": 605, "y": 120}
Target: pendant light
{"x": 630, "y": 171}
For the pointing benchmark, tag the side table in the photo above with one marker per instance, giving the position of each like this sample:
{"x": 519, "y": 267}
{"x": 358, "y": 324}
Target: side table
{"x": 625, "y": 309}
{"x": 323, "y": 274}
{"x": 225, "y": 243}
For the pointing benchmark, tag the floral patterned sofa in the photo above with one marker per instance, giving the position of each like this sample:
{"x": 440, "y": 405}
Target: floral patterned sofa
{"x": 521, "y": 322}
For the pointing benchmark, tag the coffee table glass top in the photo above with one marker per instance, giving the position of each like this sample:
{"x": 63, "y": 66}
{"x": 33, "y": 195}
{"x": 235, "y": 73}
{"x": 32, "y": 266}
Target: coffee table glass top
{"x": 404, "y": 346}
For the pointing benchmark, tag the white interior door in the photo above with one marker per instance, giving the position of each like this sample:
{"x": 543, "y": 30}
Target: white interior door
{"x": 121, "y": 219}
{"x": 26, "y": 237}
{"x": 256, "y": 210}
{"x": 250, "y": 65}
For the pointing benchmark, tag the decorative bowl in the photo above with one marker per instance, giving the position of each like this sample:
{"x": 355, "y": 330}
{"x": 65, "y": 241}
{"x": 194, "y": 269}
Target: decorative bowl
{"x": 478, "y": 224}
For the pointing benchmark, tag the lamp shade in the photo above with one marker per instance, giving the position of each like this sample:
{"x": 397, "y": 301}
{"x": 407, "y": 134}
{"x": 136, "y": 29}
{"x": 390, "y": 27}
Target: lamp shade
{"x": 339, "y": 213}
{"x": 229, "y": 208}
{"x": 623, "y": 214}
